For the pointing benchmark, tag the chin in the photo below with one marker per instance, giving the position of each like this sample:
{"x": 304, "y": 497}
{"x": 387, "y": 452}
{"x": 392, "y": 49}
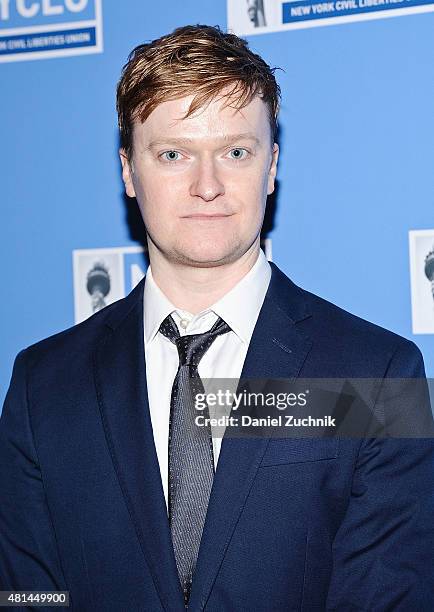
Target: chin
{"x": 209, "y": 257}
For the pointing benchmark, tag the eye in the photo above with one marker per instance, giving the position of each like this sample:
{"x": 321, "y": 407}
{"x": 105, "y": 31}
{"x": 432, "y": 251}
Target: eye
{"x": 170, "y": 156}
{"x": 238, "y": 153}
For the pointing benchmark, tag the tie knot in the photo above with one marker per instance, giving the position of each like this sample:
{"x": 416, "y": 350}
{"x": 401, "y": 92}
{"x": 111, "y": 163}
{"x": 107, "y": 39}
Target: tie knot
{"x": 192, "y": 348}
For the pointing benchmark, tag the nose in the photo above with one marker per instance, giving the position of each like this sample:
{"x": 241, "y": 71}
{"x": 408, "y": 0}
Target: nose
{"x": 206, "y": 183}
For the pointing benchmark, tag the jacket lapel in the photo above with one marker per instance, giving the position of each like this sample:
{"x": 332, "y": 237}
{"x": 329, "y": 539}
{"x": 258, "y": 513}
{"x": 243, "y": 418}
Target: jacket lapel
{"x": 120, "y": 376}
{"x": 277, "y": 350}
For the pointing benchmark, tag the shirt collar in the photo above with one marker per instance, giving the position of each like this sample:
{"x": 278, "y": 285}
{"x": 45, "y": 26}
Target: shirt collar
{"x": 156, "y": 306}
{"x": 239, "y": 307}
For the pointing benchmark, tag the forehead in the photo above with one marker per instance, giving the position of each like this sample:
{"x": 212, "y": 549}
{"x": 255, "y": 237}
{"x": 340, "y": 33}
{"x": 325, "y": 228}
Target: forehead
{"x": 211, "y": 121}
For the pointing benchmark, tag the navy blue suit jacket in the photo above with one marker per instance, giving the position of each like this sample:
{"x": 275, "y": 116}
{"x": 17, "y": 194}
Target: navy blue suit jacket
{"x": 301, "y": 524}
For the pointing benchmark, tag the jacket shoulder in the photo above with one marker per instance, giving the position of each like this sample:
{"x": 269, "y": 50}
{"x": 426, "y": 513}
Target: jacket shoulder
{"x": 344, "y": 344}
{"x": 83, "y": 337}
{"x": 357, "y": 339}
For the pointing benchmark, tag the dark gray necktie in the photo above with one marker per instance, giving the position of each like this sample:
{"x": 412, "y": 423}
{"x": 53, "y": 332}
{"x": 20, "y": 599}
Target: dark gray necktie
{"x": 191, "y": 458}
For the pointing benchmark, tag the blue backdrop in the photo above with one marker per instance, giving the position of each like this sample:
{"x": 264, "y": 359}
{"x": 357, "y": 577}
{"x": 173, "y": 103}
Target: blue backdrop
{"x": 355, "y": 172}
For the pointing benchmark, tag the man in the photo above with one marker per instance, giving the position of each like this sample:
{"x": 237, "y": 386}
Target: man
{"x": 108, "y": 490}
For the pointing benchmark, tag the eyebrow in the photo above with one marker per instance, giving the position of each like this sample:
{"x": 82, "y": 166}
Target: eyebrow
{"x": 227, "y": 139}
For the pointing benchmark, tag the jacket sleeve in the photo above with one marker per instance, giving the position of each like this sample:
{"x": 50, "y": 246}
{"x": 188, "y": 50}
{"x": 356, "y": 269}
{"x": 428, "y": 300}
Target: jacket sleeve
{"x": 29, "y": 558}
{"x": 383, "y": 552}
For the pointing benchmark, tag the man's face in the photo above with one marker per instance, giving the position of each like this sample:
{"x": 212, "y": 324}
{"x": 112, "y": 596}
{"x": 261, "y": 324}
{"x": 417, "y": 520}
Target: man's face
{"x": 202, "y": 182}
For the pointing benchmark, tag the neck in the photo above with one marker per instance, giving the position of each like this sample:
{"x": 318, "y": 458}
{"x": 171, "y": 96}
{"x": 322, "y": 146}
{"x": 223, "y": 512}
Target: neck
{"x": 195, "y": 288}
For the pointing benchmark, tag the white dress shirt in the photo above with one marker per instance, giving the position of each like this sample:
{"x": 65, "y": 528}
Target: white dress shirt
{"x": 224, "y": 359}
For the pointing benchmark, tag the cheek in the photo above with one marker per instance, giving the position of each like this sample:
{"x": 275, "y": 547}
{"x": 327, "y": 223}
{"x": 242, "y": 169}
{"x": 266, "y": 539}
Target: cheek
{"x": 157, "y": 200}
{"x": 251, "y": 195}
{"x": 251, "y": 182}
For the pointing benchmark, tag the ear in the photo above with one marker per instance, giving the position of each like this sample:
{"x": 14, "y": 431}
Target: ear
{"x": 273, "y": 168}
{"x": 127, "y": 173}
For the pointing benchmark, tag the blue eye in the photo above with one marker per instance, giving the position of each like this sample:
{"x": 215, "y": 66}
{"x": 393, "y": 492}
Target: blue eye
{"x": 238, "y": 153}
{"x": 170, "y": 156}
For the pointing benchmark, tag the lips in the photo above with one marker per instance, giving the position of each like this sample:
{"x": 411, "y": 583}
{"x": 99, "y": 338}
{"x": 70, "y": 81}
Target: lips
{"x": 207, "y": 216}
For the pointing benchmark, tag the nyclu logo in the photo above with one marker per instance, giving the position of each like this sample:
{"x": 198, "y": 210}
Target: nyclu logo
{"x": 39, "y": 29}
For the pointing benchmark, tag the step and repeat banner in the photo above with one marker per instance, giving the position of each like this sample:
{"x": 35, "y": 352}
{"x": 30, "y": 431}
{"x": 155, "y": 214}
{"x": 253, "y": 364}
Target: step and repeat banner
{"x": 352, "y": 218}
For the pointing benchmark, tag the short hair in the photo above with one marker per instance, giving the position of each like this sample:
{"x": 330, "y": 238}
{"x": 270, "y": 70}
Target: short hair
{"x": 193, "y": 59}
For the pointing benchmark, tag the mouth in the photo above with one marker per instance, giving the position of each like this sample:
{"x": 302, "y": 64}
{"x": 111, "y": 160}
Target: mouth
{"x": 207, "y": 217}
